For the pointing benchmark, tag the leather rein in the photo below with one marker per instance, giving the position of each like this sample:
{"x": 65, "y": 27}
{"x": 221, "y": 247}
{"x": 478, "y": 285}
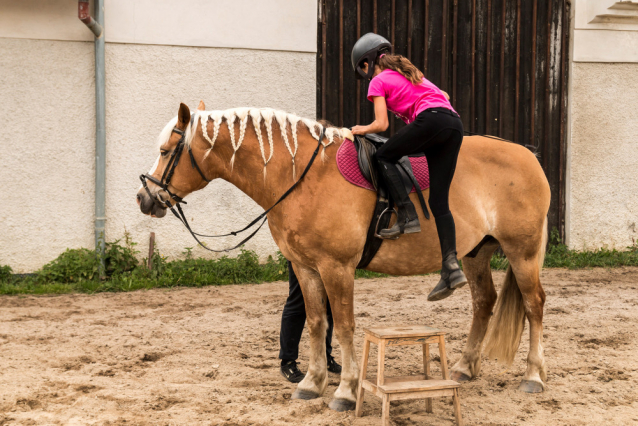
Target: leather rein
{"x": 177, "y": 200}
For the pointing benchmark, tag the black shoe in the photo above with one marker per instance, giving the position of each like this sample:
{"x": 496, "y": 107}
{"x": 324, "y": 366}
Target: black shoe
{"x": 452, "y": 277}
{"x": 392, "y": 233}
{"x": 407, "y": 217}
{"x": 333, "y": 367}
{"x": 290, "y": 371}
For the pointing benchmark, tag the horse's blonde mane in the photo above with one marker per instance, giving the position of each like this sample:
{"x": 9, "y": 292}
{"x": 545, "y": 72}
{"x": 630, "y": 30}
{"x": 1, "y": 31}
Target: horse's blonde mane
{"x": 258, "y": 117}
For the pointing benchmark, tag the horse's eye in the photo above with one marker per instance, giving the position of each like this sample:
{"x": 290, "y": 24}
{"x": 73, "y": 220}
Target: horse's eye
{"x": 164, "y": 153}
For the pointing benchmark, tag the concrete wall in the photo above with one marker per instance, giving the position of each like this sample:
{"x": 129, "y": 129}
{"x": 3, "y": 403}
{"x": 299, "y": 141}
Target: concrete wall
{"x": 247, "y": 24}
{"x": 604, "y": 155}
{"x": 47, "y": 117}
{"x": 602, "y": 203}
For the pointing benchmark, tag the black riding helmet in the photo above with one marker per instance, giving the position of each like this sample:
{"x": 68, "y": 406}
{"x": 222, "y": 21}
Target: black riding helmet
{"x": 367, "y": 49}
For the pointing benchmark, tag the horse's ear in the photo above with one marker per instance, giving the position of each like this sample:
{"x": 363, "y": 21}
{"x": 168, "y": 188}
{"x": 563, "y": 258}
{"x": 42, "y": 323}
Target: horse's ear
{"x": 201, "y": 106}
{"x": 183, "y": 116}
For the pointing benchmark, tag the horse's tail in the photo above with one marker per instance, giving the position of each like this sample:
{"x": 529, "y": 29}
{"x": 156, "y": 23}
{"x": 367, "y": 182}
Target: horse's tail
{"x": 507, "y": 324}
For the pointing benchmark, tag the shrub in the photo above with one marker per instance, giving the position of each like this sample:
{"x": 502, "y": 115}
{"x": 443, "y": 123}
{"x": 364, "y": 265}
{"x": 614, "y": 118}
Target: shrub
{"x": 5, "y": 272}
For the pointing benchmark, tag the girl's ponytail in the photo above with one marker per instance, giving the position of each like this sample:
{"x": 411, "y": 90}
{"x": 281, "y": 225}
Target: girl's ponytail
{"x": 401, "y": 65}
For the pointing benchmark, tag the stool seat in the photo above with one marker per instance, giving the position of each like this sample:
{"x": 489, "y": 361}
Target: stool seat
{"x": 395, "y": 332}
{"x": 418, "y": 386}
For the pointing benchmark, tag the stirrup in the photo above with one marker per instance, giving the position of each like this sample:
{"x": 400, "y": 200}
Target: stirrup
{"x": 376, "y": 229}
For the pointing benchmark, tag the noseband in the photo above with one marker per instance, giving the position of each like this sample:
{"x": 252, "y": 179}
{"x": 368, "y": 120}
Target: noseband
{"x": 177, "y": 200}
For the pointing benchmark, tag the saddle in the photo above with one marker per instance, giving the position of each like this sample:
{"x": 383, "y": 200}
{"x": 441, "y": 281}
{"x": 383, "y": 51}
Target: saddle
{"x": 366, "y": 146}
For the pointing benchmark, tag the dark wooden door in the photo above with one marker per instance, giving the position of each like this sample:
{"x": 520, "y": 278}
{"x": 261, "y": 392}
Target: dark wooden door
{"x": 503, "y": 62}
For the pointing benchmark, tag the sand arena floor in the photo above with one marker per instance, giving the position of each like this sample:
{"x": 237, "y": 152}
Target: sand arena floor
{"x": 209, "y": 356}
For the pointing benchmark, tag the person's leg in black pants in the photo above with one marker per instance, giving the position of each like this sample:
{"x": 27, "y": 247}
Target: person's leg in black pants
{"x": 438, "y": 134}
{"x": 293, "y": 320}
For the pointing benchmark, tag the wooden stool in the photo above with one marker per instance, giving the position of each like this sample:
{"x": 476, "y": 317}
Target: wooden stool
{"x": 406, "y": 387}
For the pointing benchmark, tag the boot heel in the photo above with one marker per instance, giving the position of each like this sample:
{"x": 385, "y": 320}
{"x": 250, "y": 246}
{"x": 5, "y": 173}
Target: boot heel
{"x": 412, "y": 229}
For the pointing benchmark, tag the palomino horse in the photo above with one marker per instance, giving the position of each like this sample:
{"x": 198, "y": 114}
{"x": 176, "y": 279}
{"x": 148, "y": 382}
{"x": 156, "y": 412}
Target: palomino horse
{"x": 499, "y": 191}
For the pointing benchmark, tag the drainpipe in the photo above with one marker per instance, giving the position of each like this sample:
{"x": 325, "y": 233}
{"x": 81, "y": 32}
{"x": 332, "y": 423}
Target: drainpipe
{"x": 96, "y": 25}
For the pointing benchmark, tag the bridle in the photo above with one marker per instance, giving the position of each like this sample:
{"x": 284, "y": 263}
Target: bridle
{"x": 177, "y": 200}
{"x": 170, "y": 170}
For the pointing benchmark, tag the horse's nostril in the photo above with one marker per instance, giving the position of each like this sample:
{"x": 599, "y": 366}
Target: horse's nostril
{"x": 139, "y": 199}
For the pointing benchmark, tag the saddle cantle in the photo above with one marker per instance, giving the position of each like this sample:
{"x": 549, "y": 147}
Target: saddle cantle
{"x": 366, "y": 169}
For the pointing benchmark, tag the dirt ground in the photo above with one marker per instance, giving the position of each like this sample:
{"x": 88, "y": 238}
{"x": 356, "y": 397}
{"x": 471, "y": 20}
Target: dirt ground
{"x": 209, "y": 356}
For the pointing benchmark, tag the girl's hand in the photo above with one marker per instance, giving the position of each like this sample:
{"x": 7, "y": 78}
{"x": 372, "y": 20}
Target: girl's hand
{"x": 359, "y": 130}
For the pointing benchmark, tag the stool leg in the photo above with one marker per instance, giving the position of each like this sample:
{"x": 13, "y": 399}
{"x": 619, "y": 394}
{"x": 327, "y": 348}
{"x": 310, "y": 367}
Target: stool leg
{"x": 426, "y": 372}
{"x": 362, "y": 377}
{"x": 457, "y": 408}
{"x": 385, "y": 411}
{"x": 381, "y": 363}
{"x": 446, "y": 375}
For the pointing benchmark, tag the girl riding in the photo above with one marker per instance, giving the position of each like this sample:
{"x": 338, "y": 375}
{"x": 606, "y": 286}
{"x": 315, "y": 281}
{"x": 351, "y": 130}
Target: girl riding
{"x": 433, "y": 129}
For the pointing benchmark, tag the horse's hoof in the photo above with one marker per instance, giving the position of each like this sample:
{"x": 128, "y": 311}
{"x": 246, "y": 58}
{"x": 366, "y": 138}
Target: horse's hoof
{"x": 530, "y": 386}
{"x": 304, "y": 394}
{"x": 457, "y": 376}
{"x": 340, "y": 404}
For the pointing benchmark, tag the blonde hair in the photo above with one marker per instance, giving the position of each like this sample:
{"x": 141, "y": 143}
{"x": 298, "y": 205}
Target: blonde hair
{"x": 402, "y": 65}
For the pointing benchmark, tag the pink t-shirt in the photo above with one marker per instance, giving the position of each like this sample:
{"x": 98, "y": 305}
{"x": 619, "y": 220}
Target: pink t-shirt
{"x": 405, "y": 99}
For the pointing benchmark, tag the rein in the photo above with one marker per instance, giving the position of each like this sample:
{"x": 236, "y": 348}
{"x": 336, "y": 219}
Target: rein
{"x": 179, "y": 214}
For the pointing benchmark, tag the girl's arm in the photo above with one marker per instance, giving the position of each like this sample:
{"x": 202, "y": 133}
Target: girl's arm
{"x": 380, "y": 124}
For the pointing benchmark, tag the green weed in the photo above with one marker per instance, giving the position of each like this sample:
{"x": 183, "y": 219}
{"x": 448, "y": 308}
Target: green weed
{"x": 76, "y": 270}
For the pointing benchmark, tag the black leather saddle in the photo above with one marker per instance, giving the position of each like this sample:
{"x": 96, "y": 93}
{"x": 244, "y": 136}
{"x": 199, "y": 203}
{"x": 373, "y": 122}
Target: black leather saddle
{"x": 366, "y": 146}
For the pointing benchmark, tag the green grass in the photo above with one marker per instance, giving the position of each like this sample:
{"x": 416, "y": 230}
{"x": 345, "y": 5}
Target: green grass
{"x": 76, "y": 271}
{"x": 558, "y": 255}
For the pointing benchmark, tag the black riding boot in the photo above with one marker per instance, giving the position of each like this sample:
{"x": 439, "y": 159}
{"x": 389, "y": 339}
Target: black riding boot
{"x": 452, "y": 277}
{"x": 407, "y": 218}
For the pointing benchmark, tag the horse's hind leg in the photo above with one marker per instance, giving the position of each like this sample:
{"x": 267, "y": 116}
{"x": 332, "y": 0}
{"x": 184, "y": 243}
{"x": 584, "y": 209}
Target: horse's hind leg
{"x": 315, "y": 299}
{"x": 522, "y": 296}
{"x": 527, "y": 273}
{"x": 479, "y": 277}
{"x": 339, "y": 283}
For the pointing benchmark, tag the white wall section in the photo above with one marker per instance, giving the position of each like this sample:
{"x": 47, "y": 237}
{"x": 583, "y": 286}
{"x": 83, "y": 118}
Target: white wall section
{"x": 251, "y": 24}
{"x": 47, "y": 107}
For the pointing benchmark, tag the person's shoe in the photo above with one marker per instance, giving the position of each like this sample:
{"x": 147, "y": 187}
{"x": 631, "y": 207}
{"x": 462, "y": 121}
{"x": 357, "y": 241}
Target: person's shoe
{"x": 290, "y": 371}
{"x": 333, "y": 367}
{"x": 452, "y": 277}
{"x": 392, "y": 233}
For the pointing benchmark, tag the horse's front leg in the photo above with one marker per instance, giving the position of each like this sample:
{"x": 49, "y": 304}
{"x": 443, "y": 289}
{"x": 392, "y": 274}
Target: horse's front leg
{"x": 315, "y": 299}
{"x": 338, "y": 281}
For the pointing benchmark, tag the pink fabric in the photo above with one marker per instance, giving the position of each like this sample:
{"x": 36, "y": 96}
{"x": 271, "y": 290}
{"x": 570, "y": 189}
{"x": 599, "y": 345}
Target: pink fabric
{"x": 404, "y": 99}
{"x": 349, "y": 167}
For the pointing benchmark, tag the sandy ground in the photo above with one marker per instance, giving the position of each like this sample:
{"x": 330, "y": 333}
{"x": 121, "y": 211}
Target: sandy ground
{"x": 209, "y": 356}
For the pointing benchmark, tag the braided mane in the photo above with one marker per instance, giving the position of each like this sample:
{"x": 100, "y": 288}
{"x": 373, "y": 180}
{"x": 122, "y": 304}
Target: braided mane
{"x": 259, "y": 117}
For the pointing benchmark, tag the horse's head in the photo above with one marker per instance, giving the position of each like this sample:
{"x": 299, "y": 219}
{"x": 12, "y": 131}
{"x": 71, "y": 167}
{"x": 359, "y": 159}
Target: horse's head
{"x": 178, "y": 170}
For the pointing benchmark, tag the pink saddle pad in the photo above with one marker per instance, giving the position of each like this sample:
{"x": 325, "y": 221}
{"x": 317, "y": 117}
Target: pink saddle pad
{"x": 349, "y": 167}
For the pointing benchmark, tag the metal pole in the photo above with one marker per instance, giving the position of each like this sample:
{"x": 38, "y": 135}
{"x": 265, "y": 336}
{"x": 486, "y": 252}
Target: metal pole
{"x": 100, "y": 139}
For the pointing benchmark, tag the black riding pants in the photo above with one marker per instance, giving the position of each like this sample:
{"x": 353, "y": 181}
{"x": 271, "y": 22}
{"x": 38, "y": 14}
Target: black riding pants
{"x": 293, "y": 320}
{"x": 437, "y": 133}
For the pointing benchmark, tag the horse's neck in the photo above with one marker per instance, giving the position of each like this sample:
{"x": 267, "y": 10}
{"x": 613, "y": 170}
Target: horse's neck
{"x": 263, "y": 183}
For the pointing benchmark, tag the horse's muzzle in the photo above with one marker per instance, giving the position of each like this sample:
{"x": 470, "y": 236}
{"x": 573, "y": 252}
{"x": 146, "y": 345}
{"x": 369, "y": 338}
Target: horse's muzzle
{"x": 148, "y": 205}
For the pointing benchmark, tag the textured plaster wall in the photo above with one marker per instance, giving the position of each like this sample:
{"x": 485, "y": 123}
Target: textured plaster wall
{"x": 47, "y": 119}
{"x": 255, "y": 24}
{"x": 603, "y": 198}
